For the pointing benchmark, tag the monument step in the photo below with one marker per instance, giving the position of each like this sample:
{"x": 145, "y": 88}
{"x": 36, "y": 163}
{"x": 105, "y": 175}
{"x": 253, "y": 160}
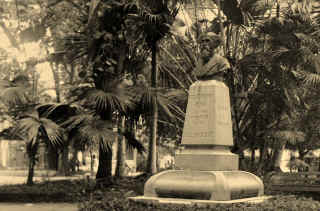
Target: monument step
{"x": 204, "y": 185}
{"x": 192, "y": 202}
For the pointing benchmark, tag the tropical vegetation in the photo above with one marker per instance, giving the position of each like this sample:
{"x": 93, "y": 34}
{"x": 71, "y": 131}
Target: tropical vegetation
{"x": 122, "y": 68}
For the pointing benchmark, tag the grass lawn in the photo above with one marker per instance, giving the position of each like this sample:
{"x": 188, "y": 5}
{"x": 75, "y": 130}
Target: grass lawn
{"x": 114, "y": 197}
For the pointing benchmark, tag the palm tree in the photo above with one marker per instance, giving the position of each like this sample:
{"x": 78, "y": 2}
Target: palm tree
{"x": 38, "y": 130}
{"x": 158, "y": 16}
{"x": 58, "y": 113}
{"x": 107, "y": 67}
{"x": 121, "y": 150}
{"x": 91, "y": 129}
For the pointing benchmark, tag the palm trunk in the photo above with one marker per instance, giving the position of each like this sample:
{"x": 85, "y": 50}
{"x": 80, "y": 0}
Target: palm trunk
{"x": 221, "y": 27}
{"x": 91, "y": 162}
{"x": 56, "y": 78}
{"x": 63, "y": 167}
{"x": 263, "y": 151}
{"x": 32, "y": 152}
{"x": 253, "y": 157}
{"x": 278, "y": 9}
{"x": 52, "y": 158}
{"x": 152, "y": 156}
{"x": 121, "y": 153}
{"x": 105, "y": 164}
{"x": 32, "y": 162}
{"x": 278, "y": 158}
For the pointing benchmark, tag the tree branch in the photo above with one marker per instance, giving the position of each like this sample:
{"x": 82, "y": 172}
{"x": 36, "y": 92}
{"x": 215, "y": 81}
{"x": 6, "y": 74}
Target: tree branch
{"x": 54, "y": 3}
{"x": 13, "y": 41}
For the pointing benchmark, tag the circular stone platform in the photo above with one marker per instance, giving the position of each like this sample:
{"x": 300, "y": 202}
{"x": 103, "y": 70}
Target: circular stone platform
{"x": 204, "y": 185}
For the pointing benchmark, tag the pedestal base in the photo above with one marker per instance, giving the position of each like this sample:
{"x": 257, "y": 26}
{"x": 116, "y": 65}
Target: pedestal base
{"x": 206, "y": 158}
{"x": 204, "y": 185}
{"x": 194, "y": 202}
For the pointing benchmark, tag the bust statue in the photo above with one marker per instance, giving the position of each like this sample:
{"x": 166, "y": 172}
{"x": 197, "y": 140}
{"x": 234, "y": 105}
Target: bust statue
{"x": 211, "y": 66}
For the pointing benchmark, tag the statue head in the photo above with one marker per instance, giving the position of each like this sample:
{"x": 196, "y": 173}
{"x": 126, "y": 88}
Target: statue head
{"x": 208, "y": 42}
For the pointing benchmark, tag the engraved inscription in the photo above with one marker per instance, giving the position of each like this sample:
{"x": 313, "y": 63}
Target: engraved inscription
{"x": 197, "y": 119}
{"x": 199, "y": 134}
{"x": 223, "y": 108}
{"x": 198, "y": 114}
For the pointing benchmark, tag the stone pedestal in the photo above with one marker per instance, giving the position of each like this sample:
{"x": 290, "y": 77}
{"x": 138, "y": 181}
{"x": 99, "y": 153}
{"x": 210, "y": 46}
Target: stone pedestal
{"x": 206, "y": 158}
{"x": 209, "y": 170}
{"x": 204, "y": 185}
{"x": 207, "y": 132}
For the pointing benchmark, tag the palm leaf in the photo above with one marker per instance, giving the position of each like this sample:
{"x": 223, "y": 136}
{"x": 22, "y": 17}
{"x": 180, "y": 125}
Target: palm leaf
{"x": 31, "y": 127}
{"x": 52, "y": 131}
{"x": 78, "y": 120}
{"x": 148, "y": 95}
{"x": 99, "y": 131}
{"x": 91, "y": 129}
{"x": 103, "y": 101}
{"x": 309, "y": 79}
{"x": 58, "y": 112}
{"x": 30, "y": 121}
{"x": 108, "y": 101}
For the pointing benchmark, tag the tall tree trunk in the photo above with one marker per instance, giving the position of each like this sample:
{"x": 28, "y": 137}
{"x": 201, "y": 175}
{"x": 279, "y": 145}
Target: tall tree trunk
{"x": 263, "y": 151}
{"x": 32, "y": 152}
{"x": 56, "y": 78}
{"x": 278, "y": 157}
{"x": 121, "y": 152}
{"x": 52, "y": 158}
{"x": 278, "y": 9}
{"x": 105, "y": 164}
{"x": 31, "y": 169}
{"x": 92, "y": 159}
{"x": 63, "y": 166}
{"x": 221, "y": 28}
{"x": 253, "y": 157}
{"x": 152, "y": 156}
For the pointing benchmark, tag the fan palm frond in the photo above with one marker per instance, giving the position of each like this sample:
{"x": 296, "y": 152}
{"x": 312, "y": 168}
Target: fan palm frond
{"x": 114, "y": 98}
{"x": 309, "y": 79}
{"x": 91, "y": 129}
{"x": 146, "y": 97}
{"x": 52, "y": 131}
{"x": 30, "y": 124}
{"x": 58, "y": 112}
{"x": 108, "y": 101}
{"x": 78, "y": 120}
{"x": 34, "y": 127}
{"x": 99, "y": 131}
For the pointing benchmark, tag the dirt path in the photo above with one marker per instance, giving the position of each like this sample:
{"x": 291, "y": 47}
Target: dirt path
{"x": 38, "y": 207}
{"x": 13, "y": 180}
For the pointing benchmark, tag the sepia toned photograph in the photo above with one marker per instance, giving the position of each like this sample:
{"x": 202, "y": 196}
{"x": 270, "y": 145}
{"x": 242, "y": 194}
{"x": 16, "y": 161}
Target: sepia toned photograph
{"x": 159, "y": 105}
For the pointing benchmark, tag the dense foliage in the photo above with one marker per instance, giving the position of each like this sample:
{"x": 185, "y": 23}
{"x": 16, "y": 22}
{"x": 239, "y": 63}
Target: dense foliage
{"x": 117, "y": 65}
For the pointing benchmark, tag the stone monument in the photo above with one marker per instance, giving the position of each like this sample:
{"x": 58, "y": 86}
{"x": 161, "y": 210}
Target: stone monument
{"x": 208, "y": 170}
